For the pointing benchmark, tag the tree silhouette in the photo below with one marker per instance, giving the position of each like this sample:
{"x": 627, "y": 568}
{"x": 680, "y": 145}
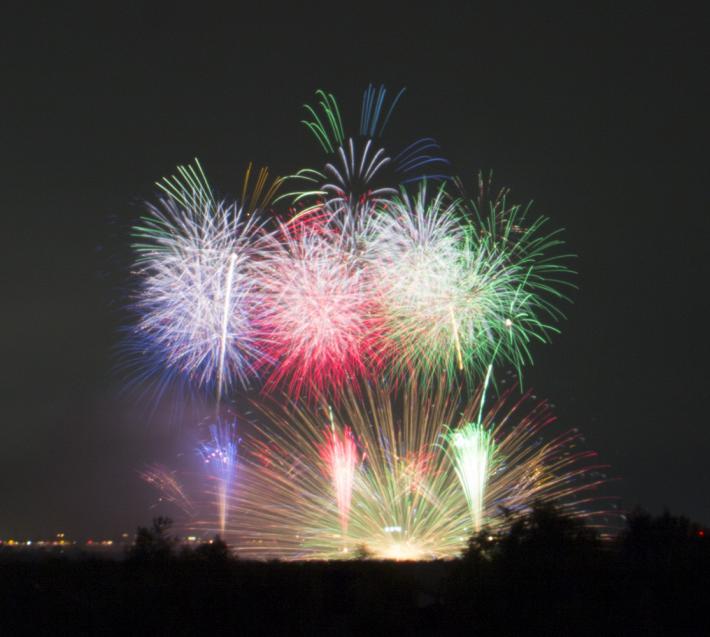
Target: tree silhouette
{"x": 662, "y": 540}
{"x": 153, "y": 544}
{"x": 481, "y": 547}
{"x": 214, "y": 552}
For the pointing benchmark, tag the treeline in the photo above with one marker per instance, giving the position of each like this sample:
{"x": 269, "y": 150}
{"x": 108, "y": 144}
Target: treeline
{"x": 547, "y": 574}
{"x": 552, "y": 573}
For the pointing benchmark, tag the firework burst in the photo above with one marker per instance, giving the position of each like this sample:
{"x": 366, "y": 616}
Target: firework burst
{"x": 219, "y": 455}
{"x": 339, "y": 455}
{"x": 455, "y": 295}
{"x": 315, "y": 317}
{"x": 409, "y": 475}
{"x": 359, "y": 173}
{"x": 197, "y": 291}
{"x": 473, "y": 452}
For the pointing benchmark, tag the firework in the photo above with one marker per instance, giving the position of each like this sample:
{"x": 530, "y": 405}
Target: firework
{"x": 339, "y": 456}
{"x": 219, "y": 455}
{"x": 455, "y": 295}
{"x": 166, "y": 482}
{"x": 359, "y": 174}
{"x": 409, "y": 475}
{"x": 314, "y": 319}
{"x": 473, "y": 451}
{"x": 197, "y": 293}
{"x": 365, "y": 309}
{"x": 370, "y": 281}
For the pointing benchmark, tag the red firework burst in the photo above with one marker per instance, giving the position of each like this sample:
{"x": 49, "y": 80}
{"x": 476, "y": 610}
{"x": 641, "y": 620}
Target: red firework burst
{"x": 316, "y": 318}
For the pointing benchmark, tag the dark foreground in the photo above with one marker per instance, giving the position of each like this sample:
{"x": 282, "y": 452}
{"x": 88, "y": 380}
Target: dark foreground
{"x": 543, "y": 577}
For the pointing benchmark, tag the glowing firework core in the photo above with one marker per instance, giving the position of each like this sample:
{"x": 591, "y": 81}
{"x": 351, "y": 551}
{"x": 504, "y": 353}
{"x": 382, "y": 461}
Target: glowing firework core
{"x": 339, "y": 453}
{"x": 473, "y": 451}
{"x": 220, "y": 457}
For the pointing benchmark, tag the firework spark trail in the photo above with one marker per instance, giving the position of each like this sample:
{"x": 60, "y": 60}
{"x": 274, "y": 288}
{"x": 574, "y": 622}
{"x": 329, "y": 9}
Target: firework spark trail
{"x": 339, "y": 455}
{"x": 167, "y": 484}
{"x": 473, "y": 453}
{"x": 220, "y": 456}
{"x": 457, "y": 340}
{"x": 225, "y": 325}
{"x": 359, "y": 174}
{"x": 409, "y": 495}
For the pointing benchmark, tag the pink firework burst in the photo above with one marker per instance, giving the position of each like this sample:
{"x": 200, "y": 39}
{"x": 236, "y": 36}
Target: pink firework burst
{"x": 340, "y": 457}
{"x": 316, "y": 320}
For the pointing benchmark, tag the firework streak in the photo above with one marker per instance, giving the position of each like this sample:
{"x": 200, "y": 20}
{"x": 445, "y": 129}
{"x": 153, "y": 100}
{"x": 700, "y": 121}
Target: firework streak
{"x": 408, "y": 475}
{"x": 220, "y": 455}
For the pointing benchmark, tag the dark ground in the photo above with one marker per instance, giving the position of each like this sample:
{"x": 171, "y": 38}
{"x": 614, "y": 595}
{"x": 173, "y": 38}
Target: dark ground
{"x": 545, "y": 576}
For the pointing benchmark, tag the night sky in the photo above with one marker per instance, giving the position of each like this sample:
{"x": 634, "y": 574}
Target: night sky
{"x": 594, "y": 113}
